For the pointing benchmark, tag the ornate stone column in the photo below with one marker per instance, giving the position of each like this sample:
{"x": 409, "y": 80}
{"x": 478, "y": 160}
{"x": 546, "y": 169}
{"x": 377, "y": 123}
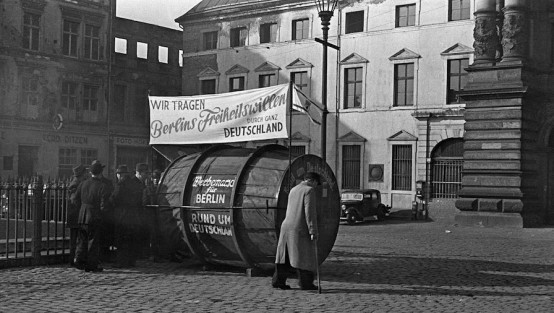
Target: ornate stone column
{"x": 485, "y": 32}
{"x": 514, "y": 32}
{"x": 499, "y": 24}
{"x": 496, "y": 142}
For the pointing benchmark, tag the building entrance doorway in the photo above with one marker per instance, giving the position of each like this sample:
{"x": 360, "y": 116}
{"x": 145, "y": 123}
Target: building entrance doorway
{"x": 447, "y": 161}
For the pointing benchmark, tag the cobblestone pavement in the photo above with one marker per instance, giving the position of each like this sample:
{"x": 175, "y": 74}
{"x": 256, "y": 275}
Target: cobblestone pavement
{"x": 390, "y": 266}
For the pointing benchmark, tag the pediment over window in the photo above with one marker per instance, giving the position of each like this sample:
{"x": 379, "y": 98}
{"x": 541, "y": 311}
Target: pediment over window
{"x": 298, "y": 136}
{"x": 300, "y": 63}
{"x": 37, "y": 5}
{"x": 208, "y": 72}
{"x": 354, "y": 58}
{"x": 404, "y": 54}
{"x": 402, "y": 136}
{"x": 352, "y": 137}
{"x": 457, "y": 49}
{"x": 237, "y": 69}
{"x": 267, "y": 67}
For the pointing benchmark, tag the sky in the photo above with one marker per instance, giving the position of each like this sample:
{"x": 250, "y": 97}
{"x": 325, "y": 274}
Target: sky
{"x": 157, "y": 12}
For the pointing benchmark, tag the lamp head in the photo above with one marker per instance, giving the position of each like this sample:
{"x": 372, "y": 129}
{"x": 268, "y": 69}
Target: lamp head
{"x": 326, "y": 5}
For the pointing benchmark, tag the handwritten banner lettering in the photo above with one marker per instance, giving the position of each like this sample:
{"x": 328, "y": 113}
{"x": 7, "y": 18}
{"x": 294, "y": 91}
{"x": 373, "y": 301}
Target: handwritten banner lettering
{"x": 248, "y": 115}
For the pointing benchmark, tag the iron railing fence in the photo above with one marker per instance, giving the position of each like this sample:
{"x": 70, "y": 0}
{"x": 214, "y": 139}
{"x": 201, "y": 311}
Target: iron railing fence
{"x": 33, "y": 221}
{"x": 446, "y": 178}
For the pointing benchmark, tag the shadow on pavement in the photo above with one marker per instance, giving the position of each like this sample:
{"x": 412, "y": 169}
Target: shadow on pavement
{"x": 444, "y": 273}
{"x": 426, "y": 291}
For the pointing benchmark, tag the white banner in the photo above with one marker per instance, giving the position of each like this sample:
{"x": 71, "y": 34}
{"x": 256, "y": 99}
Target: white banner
{"x": 256, "y": 114}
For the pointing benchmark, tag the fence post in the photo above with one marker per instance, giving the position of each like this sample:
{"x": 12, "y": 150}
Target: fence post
{"x": 37, "y": 207}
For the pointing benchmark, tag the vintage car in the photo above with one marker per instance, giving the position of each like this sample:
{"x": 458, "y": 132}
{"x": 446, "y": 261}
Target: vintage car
{"x": 361, "y": 205}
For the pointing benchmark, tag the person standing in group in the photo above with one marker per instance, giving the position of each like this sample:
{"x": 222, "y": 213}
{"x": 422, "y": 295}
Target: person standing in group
{"x": 79, "y": 176}
{"x": 93, "y": 196}
{"x": 107, "y": 237}
{"x": 298, "y": 234}
{"x": 127, "y": 201}
{"x": 142, "y": 177}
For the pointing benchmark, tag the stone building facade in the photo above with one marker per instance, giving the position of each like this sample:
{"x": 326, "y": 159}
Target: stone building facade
{"x": 403, "y": 91}
{"x": 146, "y": 61}
{"x": 59, "y": 100}
{"x": 390, "y": 88}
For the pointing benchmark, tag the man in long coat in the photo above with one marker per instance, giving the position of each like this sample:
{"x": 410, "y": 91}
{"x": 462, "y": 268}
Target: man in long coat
{"x": 79, "y": 176}
{"x": 298, "y": 235}
{"x": 93, "y": 195}
{"x": 127, "y": 199}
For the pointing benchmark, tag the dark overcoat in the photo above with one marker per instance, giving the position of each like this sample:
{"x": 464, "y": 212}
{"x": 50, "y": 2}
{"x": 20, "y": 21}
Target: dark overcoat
{"x": 128, "y": 202}
{"x": 93, "y": 194}
{"x": 73, "y": 207}
{"x": 300, "y": 222}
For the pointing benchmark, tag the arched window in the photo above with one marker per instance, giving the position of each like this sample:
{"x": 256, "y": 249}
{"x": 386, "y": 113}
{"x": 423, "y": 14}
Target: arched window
{"x": 447, "y": 161}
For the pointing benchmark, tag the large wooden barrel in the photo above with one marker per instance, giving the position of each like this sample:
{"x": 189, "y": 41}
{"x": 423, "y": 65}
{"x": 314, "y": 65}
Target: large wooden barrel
{"x": 229, "y": 202}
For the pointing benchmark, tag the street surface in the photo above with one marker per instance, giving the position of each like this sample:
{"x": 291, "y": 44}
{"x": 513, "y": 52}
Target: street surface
{"x": 396, "y": 265}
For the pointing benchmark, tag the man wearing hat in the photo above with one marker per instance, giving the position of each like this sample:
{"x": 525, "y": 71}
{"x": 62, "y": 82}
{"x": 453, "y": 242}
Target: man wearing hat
{"x": 127, "y": 200}
{"x": 79, "y": 176}
{"x": 298, "y": 234}
{"x": 93, "y": 195}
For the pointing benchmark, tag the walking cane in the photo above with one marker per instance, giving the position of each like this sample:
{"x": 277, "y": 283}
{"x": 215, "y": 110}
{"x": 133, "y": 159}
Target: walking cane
{"x": 317, "y": 266}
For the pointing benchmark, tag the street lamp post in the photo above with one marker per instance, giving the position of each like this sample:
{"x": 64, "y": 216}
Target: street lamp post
{"x": 325, "y": 9}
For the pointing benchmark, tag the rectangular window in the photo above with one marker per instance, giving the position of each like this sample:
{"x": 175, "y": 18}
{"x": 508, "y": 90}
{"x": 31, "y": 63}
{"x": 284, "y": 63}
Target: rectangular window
{"x": 405, "y": 15}
{"x": 268, "y": 32}
{"x": 30, "y": 97}
{"x": 69, "y": 100}
{"x": 207, "y": 86}
{"x": 90, "y": 103}
{"x": 238, "y": 37}
{"x": 163, "y": 54}
{"x": 92, "y": 42}
{"x": 30, "y": 91}
{"x": 457, "y": 78}
{"x": 300, "y": 29}
{"x": 351, "y": 165}
{"x": 236, "y": 83}
{"x": 31, "y": 31}
{"x": 142, "y": 50}
{"x": 353, "y": 88}
{"x": 300, "y": 79}
{"x": 88, "y": 155}
{"x": 458, "y": 10}
{"x": 404, "y": 84}
{"x": 266, "y": 80}
{"x": 70, "y": 38}
{"x": 90, "y": 98}
{"x": 401, "y": 167}
{"x": 354, "y": 22}
{"x": 120, "y": 45}
{"x": 120, "y": 102}
{"x": 66, "y": 161}
{"x": 210, "y": 40}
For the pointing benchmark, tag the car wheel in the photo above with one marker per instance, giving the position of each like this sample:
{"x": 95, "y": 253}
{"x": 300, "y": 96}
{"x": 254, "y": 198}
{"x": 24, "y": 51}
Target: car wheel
{"x": 350, "y": 219}
{"x": 381, "y": 212}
